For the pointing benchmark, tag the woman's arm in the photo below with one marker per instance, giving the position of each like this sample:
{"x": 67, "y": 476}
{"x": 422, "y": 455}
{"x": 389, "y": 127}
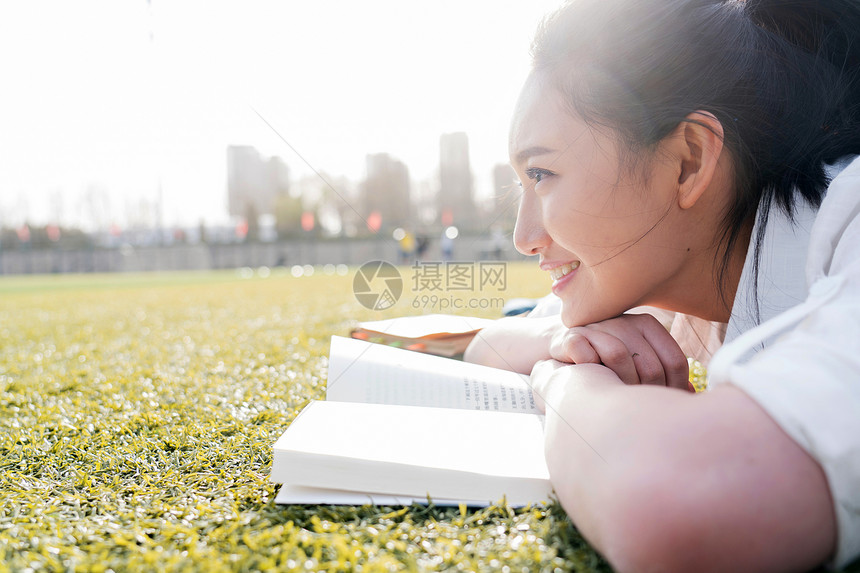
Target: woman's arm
{"x": 514, "y": 343}
{"x": 637, "y": 347}
{"x": 662, "y": 480}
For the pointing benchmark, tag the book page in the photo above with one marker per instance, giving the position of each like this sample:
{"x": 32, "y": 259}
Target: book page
{"x": 373, "y": 373}
{"x": 414, "y": 451}
{"x": 309, "y": 495}
{"x": 426, "y": 326}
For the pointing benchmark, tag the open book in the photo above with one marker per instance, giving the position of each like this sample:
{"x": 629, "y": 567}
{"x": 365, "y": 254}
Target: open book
{"x": 399, "y": 426}
{"x": 440, "y": 334}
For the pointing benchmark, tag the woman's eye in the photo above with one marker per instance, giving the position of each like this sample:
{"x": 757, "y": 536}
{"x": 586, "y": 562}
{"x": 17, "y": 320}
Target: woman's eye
{"x": 536, "y": 174}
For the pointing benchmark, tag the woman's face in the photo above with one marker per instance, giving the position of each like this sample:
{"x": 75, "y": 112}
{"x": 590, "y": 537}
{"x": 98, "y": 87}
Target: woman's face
{"x": 610, "y": 237}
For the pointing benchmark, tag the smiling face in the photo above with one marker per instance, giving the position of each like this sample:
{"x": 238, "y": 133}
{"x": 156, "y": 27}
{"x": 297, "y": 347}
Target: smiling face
{"x": 611, "y": 237}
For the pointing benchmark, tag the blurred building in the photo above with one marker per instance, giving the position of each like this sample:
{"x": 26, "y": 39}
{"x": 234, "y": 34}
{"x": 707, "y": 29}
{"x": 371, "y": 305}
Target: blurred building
{"x": 253, "y": 182}
{"x": 506, "y": 197}
{"x": 456, "y": 201}
{"x": 333, "y": 201}
{"x": 385, "y": 192}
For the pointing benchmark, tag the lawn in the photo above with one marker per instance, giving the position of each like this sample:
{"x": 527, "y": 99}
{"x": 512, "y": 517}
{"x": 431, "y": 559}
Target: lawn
{"x": 138, "y": 413}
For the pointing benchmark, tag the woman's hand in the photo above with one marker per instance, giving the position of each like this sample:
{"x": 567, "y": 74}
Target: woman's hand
{"x": 543, "y": 382}
{"x": 635, "y": 346}
{"x": 551, "y": 379}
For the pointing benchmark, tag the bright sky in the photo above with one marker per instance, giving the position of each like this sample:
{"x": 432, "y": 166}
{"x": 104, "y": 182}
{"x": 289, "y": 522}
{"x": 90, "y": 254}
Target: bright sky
{"x": 104, "y": 101}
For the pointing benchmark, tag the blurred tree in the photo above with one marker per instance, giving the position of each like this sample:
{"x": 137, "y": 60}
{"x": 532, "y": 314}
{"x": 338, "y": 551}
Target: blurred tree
{"x": 288, "y": 215}
{"x": 252, "y": 217}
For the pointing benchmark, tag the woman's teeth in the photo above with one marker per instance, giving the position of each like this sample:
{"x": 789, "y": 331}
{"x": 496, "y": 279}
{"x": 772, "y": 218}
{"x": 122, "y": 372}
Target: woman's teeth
{"x": 559, "y": 272}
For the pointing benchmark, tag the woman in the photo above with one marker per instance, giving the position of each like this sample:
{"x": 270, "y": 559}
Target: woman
{"x": 664, "y": 146}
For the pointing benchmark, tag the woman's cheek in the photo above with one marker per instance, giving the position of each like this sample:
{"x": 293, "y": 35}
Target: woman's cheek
{"x": 572, "y": 233}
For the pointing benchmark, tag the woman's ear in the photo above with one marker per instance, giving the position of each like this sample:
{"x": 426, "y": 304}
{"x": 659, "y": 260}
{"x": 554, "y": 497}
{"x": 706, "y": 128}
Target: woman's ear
{"x": 698, "y": 143}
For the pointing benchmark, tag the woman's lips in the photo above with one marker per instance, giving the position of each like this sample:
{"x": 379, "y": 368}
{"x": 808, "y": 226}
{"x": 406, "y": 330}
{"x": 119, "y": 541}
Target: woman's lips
{"x": 561, "y": 271}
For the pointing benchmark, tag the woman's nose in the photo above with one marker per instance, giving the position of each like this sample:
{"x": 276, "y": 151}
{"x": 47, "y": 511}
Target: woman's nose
{"x": 530, "y": 237}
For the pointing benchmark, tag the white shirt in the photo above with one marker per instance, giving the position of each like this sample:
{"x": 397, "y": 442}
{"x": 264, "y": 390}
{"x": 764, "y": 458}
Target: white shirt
{"x": 805, "y": 370}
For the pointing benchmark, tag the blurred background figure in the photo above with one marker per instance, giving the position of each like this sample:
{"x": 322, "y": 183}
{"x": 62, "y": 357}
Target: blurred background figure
{"x": 422, "y": 243}
{"x": 405, "y": 243}
{"x": 446, "y": 243}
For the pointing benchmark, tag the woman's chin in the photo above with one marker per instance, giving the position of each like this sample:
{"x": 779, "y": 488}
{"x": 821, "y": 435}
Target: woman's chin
{"x": 579, "y": 316}
{"x": 572, "y": 318}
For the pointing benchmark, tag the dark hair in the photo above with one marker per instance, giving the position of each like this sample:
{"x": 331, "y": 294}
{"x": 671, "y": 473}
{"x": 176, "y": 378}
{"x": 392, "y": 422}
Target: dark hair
{"x": 781, "y": 76}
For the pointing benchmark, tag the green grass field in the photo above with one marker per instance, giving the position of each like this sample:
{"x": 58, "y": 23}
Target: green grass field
{"x": 138, "y": 413}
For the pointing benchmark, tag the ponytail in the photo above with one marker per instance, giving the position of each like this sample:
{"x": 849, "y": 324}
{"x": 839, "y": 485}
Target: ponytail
{"x": 817, "y": 47}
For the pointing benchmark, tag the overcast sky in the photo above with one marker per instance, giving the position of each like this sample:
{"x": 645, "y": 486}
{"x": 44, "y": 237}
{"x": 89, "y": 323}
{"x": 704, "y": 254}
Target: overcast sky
{"x": 101, "y": 101}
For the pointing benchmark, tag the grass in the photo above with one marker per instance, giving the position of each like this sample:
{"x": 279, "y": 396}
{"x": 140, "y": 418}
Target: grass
{"x": 137, "y": 417}
{"x": 138, "y": 413}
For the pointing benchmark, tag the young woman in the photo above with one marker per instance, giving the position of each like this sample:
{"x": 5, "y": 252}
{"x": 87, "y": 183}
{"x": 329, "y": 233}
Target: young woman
{"x": 677, "y": 154}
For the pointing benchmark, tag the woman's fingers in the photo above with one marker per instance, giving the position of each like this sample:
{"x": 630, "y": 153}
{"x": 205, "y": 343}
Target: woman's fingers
{"x": 584, "y": 345}
{"x": 574, "y": 347}
{"x": 615, "y": 354}
{"x": 636, "y": 347}
{"x": 674, "y": 368}
{"x": 648, "y": 366}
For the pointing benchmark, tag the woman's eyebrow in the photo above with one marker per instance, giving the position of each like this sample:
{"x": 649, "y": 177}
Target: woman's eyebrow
{"x": 534, "y": 151}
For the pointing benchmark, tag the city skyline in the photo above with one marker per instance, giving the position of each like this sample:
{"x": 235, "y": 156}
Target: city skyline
{"x": 117, "y": 105}
{"x": 385, "y": 199}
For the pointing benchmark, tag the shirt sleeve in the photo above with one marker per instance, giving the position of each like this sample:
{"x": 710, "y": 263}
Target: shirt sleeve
{"x": 809, "y": 383}
{"x": 808, "y": 379}
{"x": 549, "y": 305}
